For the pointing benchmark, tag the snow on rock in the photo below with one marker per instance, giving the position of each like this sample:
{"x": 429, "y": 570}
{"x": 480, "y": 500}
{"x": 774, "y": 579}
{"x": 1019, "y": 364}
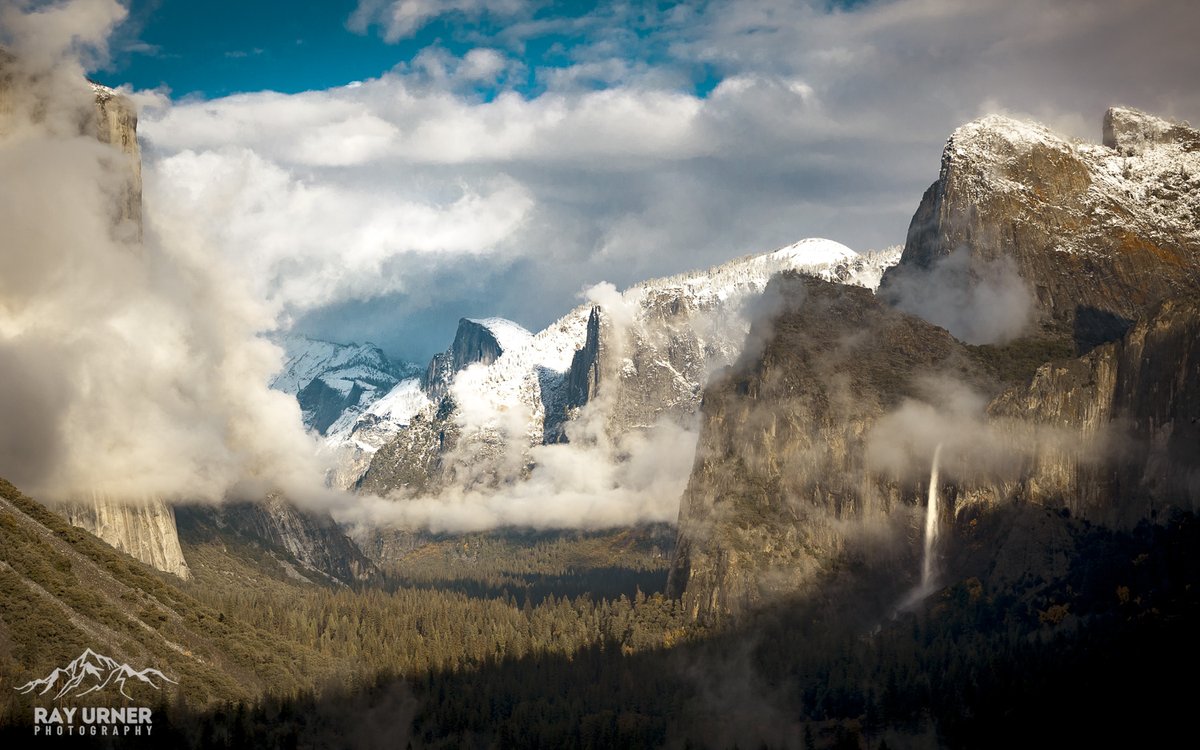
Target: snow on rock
{"x": 659, "y": 341}
{"x": 1089, "y": 235}
{"x": 508, "y": 334}
{"x": 331, "y": 380}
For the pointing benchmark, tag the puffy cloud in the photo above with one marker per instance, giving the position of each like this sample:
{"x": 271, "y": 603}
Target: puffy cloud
{"x": 302, "y": 244}
{"x": 131, "y": 368}
{"x": 67, "y": 35}
{"x": 611, "y": 165}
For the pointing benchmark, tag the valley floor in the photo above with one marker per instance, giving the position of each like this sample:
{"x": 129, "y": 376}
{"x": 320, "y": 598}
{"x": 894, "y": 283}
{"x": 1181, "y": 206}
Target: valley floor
{"x": 565, "y": 640}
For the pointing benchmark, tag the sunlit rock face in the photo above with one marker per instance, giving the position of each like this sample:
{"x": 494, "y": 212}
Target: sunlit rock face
{"x": 1100, "y": 244}
{"x": 116, "y": 124}
{"x": 144, "y": 529}
{"x": 1098, "y": 234}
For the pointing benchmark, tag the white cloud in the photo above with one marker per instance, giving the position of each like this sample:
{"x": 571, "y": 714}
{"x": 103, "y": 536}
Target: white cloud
{"x": 823, "y": 123}
{"x": 400, "y": 19}
{"x": 130, "y": 368}
{"x": 67, "y": 35}
{"x": 306, "y": 243}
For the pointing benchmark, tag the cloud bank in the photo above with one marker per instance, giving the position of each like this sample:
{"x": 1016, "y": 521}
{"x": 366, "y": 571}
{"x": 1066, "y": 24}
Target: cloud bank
{"x": 646, "y": 141}
{"x": 131, "y": 369}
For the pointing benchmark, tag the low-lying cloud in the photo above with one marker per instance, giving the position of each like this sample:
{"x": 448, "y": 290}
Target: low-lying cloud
{"x": 980, "y": 302}
{"x": 977, "y": 449}
{"x": 637, "y": 479}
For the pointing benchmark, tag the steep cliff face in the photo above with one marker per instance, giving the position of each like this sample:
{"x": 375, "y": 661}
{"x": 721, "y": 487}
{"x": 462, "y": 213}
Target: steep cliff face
{"x": 310, "y": 541}
{"x": 143, "y": 529}
{"x": 581, "y": 384}
{"x": 1105, "y": 241}
{"x": 479, "y": 341}
{"x": 1097, "y": 234}
{"x": 437, "y": 376}
{"x": 115, "y": 123}
{"x": 475, "y": 342}
{"x": 1129, "y": 412}
{"x": 783, "y": 487}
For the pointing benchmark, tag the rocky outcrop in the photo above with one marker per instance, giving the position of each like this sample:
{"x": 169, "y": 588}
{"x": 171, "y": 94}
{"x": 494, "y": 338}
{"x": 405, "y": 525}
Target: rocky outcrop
{"x": 437, "y": 376}
{"x": 783, "y": 487}
{"x": 143, "y": 529}
{"x": 473, "y": 342}
{"x": 310, "y": 540}
{"x": 1130, "y": 132}
{"x": 1130, "y": 442}
{"x": 581, "y": 384}
{"x": 1097, "y": 235}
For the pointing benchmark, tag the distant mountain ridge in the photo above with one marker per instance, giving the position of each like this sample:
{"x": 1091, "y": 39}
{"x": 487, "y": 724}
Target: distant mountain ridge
{"x": 650, "y": 348}
{"x": 330, "y": 379}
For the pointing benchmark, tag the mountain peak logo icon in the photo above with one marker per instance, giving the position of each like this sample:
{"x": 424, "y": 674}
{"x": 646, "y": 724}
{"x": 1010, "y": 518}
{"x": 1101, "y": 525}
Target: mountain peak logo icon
{"x": 91, "y": 672}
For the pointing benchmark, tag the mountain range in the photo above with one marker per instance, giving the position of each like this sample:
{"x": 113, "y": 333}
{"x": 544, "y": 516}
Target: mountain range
{"x": 979, "y": 438}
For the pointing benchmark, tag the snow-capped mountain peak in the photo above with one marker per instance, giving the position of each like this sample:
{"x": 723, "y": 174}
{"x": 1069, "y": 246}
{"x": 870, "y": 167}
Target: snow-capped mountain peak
{"x": 330, "y": 379}
{"x": 507, "y": 333}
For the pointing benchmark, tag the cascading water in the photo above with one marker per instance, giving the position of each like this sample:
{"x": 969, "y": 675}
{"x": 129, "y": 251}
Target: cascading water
{"x": 931, "y": 522}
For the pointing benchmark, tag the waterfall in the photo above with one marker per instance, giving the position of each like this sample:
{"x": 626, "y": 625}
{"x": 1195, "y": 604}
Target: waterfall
{"x": 931, "y": 522}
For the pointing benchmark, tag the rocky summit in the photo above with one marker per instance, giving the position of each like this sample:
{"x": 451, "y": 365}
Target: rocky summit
{"x": 809, "y": 463}
{"x": 1096, "y": 234}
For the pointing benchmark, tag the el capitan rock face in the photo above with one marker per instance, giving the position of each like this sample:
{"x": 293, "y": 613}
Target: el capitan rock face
{"x": 143, "y": 529}
{"x": 116, "y": 124}
{"x": 1098, "y": 233}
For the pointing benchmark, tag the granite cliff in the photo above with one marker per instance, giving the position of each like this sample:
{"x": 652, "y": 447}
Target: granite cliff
{"x": 813, "y": 462}
{"x": 1098, "y": 234}
{"x": 783, "y": 486}
{"x": 145, "y": 530}
{"x": 306, "y": 544}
